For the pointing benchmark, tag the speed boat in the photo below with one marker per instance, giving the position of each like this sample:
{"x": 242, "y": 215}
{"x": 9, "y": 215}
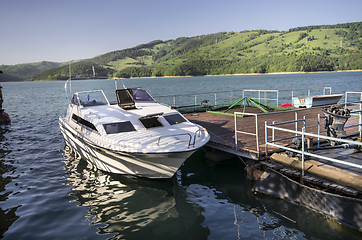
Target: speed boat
{"x": 314, "y": 101}
{"x": 133, "y": 136}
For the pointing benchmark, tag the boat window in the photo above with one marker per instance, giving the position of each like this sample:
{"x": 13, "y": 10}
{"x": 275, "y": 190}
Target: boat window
{"x": 118, "y": 127}
{"x": 174, "y": 119}
{"x": 141, "y": 95}
{"x": 151, "y": 122}
{"x": 92, "y": 98}
{"x": 80, "y": 120}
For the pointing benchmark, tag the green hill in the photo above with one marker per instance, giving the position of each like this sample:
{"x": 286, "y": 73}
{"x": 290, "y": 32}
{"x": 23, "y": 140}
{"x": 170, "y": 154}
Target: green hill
{"x": 25, "y": 71}
{"x": 301, "y": 49}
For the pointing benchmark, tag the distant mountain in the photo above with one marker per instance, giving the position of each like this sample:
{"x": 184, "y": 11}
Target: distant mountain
{"x": 301, "y": 49}
{"x": 27, "y": 70}
{"x": 8, "y": 78}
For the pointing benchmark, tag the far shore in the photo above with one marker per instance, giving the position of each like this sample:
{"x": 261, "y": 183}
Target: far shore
{"x": 247, "y": 74}
{"x": 236, "y": 74}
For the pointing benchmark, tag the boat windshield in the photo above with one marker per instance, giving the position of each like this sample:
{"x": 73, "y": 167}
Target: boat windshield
{"x": 141, "y": 95}
{"x": 93, "y": 98}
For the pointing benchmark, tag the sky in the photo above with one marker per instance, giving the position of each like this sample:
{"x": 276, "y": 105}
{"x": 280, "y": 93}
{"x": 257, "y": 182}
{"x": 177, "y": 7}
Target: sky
{"x": 65, "y": 30}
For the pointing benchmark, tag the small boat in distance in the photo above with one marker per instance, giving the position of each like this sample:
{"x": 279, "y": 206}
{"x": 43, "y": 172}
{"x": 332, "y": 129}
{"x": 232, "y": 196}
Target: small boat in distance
{"x": 135, "y": 136}
{"x": 318, "y": 100}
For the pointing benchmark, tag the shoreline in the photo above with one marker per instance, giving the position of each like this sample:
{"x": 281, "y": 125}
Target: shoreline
{"x": 220, "y": 75}
{"x": 246, "y": 74}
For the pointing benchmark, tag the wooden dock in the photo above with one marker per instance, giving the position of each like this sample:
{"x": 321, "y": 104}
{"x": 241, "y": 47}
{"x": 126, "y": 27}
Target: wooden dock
{"x": 222, "y": 128}
{"x": 327, "y": 187}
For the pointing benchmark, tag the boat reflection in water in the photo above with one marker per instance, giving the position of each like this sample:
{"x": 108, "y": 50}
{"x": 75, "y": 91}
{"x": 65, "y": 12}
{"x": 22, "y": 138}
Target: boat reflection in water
{"x": 133, "y": 208}
{"x": 203, "y": 200}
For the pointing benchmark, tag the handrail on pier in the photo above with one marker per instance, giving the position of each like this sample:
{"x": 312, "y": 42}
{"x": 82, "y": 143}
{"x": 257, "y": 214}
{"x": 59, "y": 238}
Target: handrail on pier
{"x": 303, "y": 151}
{"x": 256, "y": 134}
{"x": 218, "y": 97}
{"x": 346, "y": 102}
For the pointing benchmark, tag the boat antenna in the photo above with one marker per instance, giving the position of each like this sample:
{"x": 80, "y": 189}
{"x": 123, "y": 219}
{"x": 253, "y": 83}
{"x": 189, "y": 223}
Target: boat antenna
{"x": 115, "y": 82}
{"x": 70, "y": 83}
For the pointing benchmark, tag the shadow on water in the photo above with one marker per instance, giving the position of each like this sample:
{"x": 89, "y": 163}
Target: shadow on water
{"x": 273, "y": 218}
{"x": 204, "y": 200}
{"x": 7, "y": 216}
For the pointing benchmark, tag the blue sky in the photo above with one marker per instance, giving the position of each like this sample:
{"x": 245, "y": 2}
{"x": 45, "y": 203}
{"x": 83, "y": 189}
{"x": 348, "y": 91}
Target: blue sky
{"x": 64, "y": 30}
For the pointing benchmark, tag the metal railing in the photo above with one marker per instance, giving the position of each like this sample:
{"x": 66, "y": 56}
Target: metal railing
{"x": 303, "y": 151}
{"x": 175, "y": 135}
{"x": 256, "y": 134}
{"x": 221, "y": 97}
{"x": 346, "y": 102}
{"x": 261, "y": 95}
{"x": 190, "y": 141}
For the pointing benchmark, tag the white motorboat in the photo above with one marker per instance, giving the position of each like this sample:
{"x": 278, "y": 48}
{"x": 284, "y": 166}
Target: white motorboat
{"x": 314, "y": 101}
{"x": 135, "y": 136}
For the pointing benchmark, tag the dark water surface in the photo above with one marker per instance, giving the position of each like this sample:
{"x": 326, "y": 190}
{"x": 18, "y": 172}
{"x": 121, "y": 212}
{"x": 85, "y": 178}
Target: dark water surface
{"x": 46, "y": 193}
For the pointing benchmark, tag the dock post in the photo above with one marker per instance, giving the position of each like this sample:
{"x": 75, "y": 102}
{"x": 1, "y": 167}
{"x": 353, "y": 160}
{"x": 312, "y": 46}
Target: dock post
{"x": 266, "y": 139}
{"x": 257, "y": 134}
{"x": 304, "y": 122}
{"x": 273, "y": 132}
{"x": 319, "y": 128}
{"x": 303, "y": 140}
{"x": 236, "y": 133}
{"x": 296, "y": 123}
{"x": 360, "y": 124}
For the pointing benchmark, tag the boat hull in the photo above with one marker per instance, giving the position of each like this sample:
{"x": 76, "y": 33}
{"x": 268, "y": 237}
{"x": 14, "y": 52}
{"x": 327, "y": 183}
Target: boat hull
{"x": 150, "y": 165}
{"x": 314, "y": 101}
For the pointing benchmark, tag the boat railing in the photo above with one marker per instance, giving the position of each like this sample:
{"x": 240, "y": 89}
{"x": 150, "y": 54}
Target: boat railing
{"x": 175, "y": 135}
{"x": 303, "y": 134}
{"x": 192, "y": 140}
{"x": 197, "y": 132}
{"x": 220, "y": 97}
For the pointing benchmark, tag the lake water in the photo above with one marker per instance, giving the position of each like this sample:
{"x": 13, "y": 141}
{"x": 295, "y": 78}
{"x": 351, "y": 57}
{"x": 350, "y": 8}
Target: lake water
{"x": 47, "y": 194}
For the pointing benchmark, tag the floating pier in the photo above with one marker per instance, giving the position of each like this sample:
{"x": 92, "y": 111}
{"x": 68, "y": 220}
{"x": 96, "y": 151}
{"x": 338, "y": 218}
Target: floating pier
{"x": 325, "y": 163}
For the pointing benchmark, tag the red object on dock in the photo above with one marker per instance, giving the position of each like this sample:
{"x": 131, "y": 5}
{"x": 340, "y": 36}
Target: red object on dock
{"x": 286, "y": 105}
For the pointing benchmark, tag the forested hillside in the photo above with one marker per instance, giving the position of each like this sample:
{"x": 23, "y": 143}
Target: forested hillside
{"x": 25, "y": 71}
{"x": 301, "y": 49}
